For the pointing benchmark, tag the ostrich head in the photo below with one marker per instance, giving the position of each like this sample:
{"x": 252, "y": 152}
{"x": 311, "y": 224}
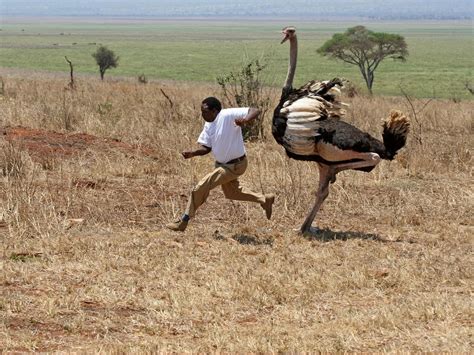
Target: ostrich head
{"x": 289, "y": 33}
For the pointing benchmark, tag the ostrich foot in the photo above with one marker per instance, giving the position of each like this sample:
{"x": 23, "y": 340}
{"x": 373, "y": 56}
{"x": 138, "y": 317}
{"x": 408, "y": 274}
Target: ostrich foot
{"x": 309, "y": 231}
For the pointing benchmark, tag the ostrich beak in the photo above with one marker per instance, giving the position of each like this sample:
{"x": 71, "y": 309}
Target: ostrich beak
{"x": 285, "y": 37}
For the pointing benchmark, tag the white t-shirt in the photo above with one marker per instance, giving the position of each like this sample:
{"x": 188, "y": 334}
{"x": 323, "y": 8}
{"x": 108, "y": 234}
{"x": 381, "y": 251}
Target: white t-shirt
{"x": 223, "y": 136}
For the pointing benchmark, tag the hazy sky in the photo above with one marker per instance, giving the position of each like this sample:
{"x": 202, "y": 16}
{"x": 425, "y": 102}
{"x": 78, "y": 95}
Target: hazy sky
{"x": 187, "y": 8}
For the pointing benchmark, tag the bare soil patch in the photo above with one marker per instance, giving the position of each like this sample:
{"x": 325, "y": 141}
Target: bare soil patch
{"x": 43, "y": 144}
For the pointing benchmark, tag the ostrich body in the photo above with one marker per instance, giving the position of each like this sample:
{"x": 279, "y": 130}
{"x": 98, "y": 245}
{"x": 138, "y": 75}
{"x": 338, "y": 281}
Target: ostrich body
{"x": 307, "y": 124}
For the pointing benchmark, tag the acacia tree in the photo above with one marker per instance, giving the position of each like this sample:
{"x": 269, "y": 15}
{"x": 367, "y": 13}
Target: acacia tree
{"x": 366, "y": 49}
{"x": 105, "y": 59}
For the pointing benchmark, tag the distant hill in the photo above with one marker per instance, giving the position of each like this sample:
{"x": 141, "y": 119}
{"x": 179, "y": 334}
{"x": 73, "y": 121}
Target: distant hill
{"x": 330, "y": 9}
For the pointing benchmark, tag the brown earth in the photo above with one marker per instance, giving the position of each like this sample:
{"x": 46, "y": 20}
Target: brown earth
{"x": 42, "y": 144}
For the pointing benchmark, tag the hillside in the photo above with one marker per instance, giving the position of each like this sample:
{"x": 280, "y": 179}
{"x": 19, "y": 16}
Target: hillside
{"x": 376, "y": 9}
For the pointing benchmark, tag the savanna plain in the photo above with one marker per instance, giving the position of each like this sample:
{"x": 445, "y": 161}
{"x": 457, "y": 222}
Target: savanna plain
{"x": 90, "y": 176}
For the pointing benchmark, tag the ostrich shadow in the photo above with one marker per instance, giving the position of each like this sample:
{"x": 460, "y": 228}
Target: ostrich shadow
{"x": 327, "y": 235}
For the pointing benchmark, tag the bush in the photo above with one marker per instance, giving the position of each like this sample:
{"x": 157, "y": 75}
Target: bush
{"x": 142, "y": 79}
{"x": 244, "y": 88}
{"x": 105, "y": 59}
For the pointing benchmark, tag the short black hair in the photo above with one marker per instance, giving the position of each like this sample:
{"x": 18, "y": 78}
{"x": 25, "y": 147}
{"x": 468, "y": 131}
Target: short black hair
{"x": 212, "y": 103}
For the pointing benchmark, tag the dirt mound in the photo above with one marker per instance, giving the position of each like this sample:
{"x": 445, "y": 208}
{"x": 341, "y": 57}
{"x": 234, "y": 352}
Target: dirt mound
{"x": 43, "y": 143}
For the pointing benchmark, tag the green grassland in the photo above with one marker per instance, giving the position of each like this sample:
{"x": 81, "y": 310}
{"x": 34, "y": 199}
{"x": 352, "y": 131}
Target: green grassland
{"x": 439, "y": 64}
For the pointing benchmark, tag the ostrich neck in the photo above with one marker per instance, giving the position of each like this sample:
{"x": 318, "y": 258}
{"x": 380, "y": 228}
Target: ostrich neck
{"x": 292, "y": 64}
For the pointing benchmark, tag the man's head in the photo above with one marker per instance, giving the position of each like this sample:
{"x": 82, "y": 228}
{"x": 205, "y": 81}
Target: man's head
{"x": 210, "y": 108}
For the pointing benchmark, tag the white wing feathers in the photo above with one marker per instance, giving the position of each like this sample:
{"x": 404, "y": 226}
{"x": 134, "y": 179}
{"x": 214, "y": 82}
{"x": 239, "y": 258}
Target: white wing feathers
{"x": 303, "y": 114}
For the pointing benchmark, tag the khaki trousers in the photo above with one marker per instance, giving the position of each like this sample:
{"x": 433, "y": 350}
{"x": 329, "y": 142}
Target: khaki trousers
{"x": 226, "y": 175}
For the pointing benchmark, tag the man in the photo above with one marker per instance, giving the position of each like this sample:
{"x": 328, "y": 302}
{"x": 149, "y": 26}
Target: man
{"x": 222, "y": 135}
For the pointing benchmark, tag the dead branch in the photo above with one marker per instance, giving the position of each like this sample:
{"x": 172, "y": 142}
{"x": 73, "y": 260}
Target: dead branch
{"x": 167, "y": 97}
{"x": 418, "y": 122}
{"x": 71, "y": 83}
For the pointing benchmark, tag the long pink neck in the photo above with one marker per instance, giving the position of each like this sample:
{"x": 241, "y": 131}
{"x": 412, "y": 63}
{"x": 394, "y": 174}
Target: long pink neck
{"x": 292, "y": 64}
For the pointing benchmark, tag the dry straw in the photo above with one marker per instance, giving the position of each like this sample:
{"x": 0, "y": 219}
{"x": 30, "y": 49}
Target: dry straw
{"x": 87, "y": 266}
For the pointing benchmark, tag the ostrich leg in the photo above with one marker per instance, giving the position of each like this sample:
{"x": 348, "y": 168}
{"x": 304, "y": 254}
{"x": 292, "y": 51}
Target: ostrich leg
{"x": 327, "y": 174}
{"x": 371, "y": 159}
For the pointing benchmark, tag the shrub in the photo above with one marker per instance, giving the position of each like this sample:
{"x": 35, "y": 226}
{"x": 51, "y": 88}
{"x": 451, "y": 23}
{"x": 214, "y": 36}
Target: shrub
{"x": 244, "y": 88}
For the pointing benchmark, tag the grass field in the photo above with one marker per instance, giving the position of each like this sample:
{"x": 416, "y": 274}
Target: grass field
{"x": 86, "y": 265}
{"x": 439, "y": 65}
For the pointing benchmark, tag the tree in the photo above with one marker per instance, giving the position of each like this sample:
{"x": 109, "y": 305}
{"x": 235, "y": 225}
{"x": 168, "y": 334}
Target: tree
{"x": 105, "y": 59}
{"x": 366, "y": 49}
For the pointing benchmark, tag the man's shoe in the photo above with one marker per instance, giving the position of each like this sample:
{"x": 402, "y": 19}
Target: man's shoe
{"x": 178, "y": 226}
{"x": 268, "y": 204}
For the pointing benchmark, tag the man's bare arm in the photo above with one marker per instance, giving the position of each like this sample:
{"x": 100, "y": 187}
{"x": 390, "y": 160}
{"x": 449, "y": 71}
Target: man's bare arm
{"x": 202, "y": 150}
{"x": 251, "y": 115}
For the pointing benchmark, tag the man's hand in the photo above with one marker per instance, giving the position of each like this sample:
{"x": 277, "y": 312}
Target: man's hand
{"x": 251, "y": 115}
{"x": 188, "y": 154}
{"x": 240, "y": 122}
{"x": 202, "y": 150}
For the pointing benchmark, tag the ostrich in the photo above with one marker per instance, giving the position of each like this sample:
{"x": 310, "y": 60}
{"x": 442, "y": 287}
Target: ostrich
{"x": 307, "y": 124}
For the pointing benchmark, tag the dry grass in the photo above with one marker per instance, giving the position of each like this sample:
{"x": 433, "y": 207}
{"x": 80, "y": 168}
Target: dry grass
{"x": 87, "y": 266}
